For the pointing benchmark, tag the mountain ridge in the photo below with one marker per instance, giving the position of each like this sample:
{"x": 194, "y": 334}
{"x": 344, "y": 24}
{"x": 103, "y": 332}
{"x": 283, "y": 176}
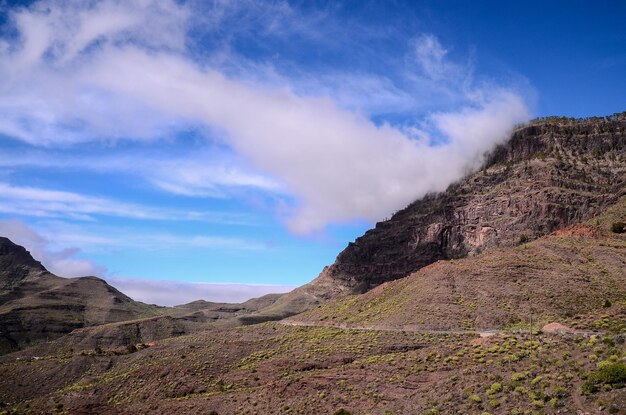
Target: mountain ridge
{"x": 37, "y": 306}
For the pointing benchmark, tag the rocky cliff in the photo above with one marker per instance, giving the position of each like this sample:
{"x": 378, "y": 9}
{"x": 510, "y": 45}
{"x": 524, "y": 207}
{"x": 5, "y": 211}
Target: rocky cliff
{"x": 550, "y": 174}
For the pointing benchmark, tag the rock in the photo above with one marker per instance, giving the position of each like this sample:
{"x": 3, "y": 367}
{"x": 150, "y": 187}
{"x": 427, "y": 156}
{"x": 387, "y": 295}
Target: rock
{"x": 557, "y": 328}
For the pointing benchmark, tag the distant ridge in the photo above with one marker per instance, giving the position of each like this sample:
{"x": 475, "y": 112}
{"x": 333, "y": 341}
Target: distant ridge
{"x": 36, "y": 305}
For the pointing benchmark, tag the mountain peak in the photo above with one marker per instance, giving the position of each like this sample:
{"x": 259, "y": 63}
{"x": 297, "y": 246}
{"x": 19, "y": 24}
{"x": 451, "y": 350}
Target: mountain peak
{"x": 16, "y": 263}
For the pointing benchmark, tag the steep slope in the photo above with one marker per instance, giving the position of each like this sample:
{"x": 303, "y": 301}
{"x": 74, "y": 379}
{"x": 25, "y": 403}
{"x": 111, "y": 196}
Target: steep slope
{"x": 36, "y": 305}
{"x": 548, "y": 175}
{"x": 568, "y": 273}
{"x": 16, "y": 265}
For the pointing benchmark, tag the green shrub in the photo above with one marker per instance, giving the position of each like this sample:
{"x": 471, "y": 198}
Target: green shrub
{"x": 613, "y": 374}
{"x": 518, "y": 376}
{"x": 494, "y": 389}
{"x": 618, "y": 227}
{"x": 343, "y": 412}
{"x": 474, "y": 398}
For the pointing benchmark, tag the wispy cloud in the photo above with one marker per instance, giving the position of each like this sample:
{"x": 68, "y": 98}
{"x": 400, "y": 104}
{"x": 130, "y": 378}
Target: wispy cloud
{"x": 90, "y": 238}
{"x": 67, "y": 263}
{"x": 32, "y": 201}
{"x": 201, "y": 173}
{"x": 69, "y": 79}
{"x": 431, "y": 57}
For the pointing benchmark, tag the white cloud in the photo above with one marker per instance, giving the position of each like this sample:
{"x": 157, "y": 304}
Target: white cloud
{"x": 117, "y": 82}
{"x": 63, "y": 262}
{"x": 63, "y": 30}
{"x": 170, "y": 293}
{"x": 431, "y": 56}
{"x": 198, "y": 173}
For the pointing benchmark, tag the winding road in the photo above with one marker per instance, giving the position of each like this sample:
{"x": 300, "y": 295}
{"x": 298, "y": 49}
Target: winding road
{"x": 481, "y": 333}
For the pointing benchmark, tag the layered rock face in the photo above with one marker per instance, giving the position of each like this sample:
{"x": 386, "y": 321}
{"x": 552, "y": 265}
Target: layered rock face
{"x": 549, "y": 175}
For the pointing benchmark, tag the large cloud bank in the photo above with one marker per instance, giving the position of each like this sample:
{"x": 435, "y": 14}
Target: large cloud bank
{"x": 78, "y": 71}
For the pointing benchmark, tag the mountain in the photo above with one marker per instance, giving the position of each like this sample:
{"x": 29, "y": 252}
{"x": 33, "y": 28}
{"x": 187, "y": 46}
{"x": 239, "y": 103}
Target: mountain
{"x": 550, "y": 174}
{"x": 16, "y": 265}
{"x": 36, "y": 305}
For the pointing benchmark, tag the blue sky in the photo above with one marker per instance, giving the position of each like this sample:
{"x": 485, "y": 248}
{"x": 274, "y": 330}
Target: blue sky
{"x": 247, "y": 142}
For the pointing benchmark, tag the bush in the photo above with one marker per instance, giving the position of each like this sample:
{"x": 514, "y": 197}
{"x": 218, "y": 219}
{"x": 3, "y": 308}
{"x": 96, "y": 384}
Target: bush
{"x": 613, "y": 374}
{"x": 618, "y": 227}
{"x": 494, "y": 389}
{"x": 343, "y": 412}
{"x": 474, "y": 398}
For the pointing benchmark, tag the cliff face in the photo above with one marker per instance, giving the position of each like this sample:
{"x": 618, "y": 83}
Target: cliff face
{"x": 547, "y": 176}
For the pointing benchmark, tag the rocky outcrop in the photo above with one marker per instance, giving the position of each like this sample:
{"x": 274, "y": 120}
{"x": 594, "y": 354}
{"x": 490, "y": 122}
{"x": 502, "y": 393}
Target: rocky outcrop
{"x": 571, "y": 272}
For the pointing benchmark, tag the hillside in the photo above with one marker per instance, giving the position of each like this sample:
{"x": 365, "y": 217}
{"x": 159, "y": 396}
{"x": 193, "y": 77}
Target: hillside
{"x": 568, "y": 273}
{"x": 550, "y": 174}
{"x": 530, "y": 320}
